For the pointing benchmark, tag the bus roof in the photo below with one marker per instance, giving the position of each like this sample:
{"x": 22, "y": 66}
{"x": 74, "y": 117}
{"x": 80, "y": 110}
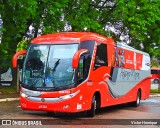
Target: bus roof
{"x": 77, "y": 37}
{"x": 71, "y": 37}
{"x": 127, "y": 47}
{"x": 155, "y": 68}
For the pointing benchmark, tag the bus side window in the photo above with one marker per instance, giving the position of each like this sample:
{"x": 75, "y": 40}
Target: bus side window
{"x": 85, "y": 60}
{"x": 80, "y": 69}
{"x": 101, "y": 56}
{"x": 83, "y": 69}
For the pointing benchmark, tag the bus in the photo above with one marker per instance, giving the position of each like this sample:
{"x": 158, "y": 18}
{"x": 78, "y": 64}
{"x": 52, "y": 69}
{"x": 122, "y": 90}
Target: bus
{"x": 73, "y": 72}
{"x": 5, "y": 76}
{"x": 155, "y": 75}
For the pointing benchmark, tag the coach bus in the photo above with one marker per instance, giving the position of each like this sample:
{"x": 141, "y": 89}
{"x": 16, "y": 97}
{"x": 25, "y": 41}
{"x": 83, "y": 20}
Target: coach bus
{"x": 155, "y": 75}
{"x": 81, "y": 71}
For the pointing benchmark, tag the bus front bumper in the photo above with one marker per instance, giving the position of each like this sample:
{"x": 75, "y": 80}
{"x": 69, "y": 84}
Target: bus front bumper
{"x": 71, "y": 105}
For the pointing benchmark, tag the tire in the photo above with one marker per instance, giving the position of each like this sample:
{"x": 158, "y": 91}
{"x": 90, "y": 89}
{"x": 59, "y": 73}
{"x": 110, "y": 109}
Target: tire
{"x": 92, "y": 111}
{"x": 51, "y": 114}
{"x": 156, "y": 81}
{"x": 138, "y": 99}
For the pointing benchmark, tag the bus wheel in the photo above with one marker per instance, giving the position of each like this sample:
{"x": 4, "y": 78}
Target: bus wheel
{"x": 91, "y": 112}
{"x": 138, "y": 99}
{"x": 156, "y": 81}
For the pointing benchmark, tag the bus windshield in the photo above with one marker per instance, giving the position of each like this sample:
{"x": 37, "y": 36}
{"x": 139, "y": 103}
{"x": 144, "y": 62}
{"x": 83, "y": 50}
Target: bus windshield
{"x": 49, "y": 67}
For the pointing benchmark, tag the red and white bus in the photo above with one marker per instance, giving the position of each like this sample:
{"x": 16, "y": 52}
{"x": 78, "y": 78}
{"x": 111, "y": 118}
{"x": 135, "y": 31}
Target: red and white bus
{"x": 155, "y": 75}
{"x": 81, "y": 71}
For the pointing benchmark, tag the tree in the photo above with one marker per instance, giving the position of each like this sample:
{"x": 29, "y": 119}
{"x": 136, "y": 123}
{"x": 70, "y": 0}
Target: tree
{"x": 91, "y": 15}
{"x": 19, "y": 15}
{"x": 141, "y": 18}
{"x": 138, "y": 19}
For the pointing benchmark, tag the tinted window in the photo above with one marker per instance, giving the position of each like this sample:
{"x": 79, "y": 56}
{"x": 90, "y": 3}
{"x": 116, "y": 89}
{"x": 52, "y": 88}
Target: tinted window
{"x": 85, "y": 60}
{"x": 89, "y": 44}
{"x": 101, "y": 56}
{"x": 155, "y": 71}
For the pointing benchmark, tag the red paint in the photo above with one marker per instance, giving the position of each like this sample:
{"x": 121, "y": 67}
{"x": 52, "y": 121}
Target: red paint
{"x": 139, "y": 61}
{"x": 75, "y": 60}
{"x": 95, "y": 81}
{"x": 129, "y": 59}
{"x": 155, "y": 75}
{"x": 15, "y": 57}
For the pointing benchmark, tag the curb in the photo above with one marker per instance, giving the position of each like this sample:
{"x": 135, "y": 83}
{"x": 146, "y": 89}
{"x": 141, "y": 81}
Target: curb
{"x": 8, "y": 99}
{"x": 157, "y": 95}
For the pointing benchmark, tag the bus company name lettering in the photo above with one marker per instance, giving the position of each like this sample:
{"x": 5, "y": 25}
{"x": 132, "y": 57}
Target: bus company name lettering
{"x": 131, "y": 74}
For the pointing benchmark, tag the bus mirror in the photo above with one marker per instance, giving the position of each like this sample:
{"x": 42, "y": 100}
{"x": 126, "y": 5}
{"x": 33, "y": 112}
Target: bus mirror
{"x": 76, "y": 57}
{"x": 15, "y": 57}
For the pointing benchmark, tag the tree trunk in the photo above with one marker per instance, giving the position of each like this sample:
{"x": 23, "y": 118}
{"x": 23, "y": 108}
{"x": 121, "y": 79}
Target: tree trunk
{"x": 15, "y": 78}
{"x": 0, "y": 79}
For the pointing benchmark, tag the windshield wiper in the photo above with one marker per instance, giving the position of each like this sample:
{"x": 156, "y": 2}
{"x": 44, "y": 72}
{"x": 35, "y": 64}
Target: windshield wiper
{"x": 56, "y": 64}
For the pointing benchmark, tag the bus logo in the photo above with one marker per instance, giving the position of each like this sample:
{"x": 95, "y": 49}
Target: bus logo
{"x": 43, "y": 100}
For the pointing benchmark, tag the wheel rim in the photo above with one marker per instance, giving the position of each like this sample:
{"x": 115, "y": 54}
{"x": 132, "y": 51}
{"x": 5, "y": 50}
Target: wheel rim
{"x": 155, "y": 81}
{"x": 138, "y": 99}
{"x": 95, "y": 106}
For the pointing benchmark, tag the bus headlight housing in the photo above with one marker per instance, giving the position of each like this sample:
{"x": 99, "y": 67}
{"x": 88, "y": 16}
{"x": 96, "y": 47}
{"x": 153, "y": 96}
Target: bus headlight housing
{"x": 23, "y": 95}
{"x": 65, "y": 97}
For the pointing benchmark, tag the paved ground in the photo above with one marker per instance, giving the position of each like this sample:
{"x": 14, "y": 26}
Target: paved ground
{"x": 120, "y": 116}
{"x": 3, "y": 96}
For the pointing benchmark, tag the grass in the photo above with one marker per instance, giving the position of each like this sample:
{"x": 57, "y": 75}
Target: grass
{"x": 155, "y": 91}
{"x": 8, "y": 90}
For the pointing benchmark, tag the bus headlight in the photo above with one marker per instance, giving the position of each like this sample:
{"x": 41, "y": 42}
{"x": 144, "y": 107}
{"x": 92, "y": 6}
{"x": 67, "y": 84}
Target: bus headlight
{"x": 23, "y": 95}
{"x": 69, "y": 95}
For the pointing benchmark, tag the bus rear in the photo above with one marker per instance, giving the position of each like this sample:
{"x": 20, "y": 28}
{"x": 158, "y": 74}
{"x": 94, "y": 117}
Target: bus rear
{"x": 155, "y": 75}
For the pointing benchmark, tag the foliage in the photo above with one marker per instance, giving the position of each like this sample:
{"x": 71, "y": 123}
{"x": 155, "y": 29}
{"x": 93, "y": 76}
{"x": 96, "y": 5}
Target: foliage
{"x": 19, "y": 15}
{"x": 138, "y": 19}
{"x": 142, "y": 20}
{"x": 155, "y": 90}
{"x": 154, "y": 63}
{"x": 22, "y": 45}
{"x": 7, "y": 90}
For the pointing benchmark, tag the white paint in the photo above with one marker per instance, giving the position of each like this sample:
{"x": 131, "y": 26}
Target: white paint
{"x": 145, "y": 63}
{"x": 64, "y": 92}
{"x": 66, "y": 106}
{"x": 79, "y": 106}
{"x": 7, "y": 76}
{"x": 89, "y": 83}
{"x": 80, "y": 98}
{"x": 43, "y": 106}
